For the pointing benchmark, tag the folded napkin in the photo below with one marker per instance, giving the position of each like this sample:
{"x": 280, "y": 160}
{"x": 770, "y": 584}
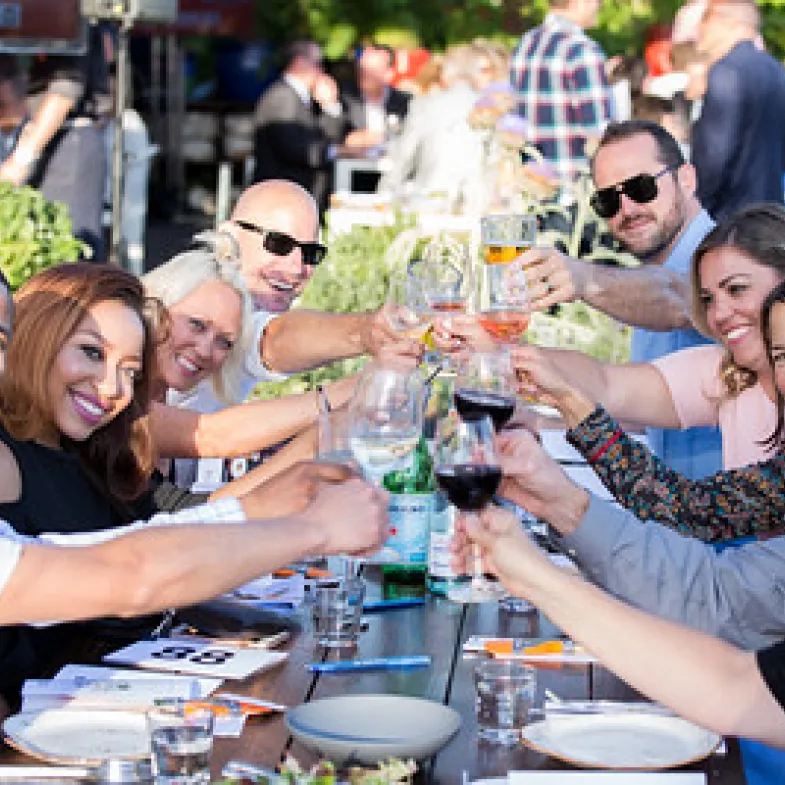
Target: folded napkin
{"x": 269, "y": 592}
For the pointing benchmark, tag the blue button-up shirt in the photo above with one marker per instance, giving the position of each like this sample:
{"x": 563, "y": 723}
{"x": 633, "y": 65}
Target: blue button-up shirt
{"x": 695, "y": 452}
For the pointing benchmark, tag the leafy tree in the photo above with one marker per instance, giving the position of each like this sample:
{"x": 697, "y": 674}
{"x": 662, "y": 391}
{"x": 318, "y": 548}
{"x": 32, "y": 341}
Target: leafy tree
{"x": 435, "y": 24}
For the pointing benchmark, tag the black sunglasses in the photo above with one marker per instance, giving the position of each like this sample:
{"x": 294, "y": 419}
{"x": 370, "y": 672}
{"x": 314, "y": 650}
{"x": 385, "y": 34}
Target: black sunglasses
{"x": 641, "y": 188}
{"x": 282, "y": 244}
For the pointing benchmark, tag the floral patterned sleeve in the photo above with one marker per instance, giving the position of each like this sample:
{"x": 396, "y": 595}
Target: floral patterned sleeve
{"x": 737, "y": 503}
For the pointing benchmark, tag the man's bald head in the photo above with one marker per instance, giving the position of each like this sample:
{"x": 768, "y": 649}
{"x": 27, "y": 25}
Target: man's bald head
{"x": 273, "y": 206}
{"x": 261, "y": 198}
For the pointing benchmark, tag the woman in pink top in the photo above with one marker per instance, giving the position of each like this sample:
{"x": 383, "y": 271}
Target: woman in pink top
{"x": 731, "y": 385}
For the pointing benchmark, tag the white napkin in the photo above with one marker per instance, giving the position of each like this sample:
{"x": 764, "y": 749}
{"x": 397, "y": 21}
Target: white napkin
{"x": 88, "y": 674}
{"x": 269, "y": 592}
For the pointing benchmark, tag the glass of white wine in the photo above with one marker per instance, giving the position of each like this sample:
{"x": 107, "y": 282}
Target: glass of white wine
{"x": 385, "y": 416}
{"x": 406, "y": 308}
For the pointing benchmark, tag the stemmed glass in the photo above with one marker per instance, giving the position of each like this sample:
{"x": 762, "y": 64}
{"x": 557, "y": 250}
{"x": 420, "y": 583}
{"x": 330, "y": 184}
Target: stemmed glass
{"x": 485, "y": 386}
{"x": 406, "y": 308}
{"x": 444, "y": 275}
{"x": 503, "y": 304}
{"x": 385, "y": 420}
{"x": 468, "y": 471}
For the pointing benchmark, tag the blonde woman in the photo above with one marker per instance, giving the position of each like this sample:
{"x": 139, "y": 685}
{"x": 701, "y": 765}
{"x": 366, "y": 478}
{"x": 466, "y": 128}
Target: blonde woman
{"x": 206, "y": 336}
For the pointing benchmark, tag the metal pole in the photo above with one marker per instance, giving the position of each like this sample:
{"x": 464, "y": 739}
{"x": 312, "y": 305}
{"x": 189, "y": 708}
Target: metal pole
{"x": 117, "y": 250}
{"x": 223, "y": 192}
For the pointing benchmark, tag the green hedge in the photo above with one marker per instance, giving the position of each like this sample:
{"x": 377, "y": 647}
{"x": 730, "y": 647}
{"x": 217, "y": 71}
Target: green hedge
{"x": 34, "y": 234}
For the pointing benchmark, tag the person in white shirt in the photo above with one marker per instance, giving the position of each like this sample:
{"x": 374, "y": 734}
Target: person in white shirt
{"x": 275, "y": 225}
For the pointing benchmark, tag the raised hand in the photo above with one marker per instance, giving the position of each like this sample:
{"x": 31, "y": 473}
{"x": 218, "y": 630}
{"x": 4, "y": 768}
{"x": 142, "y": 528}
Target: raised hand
{"x": 293, "y": 489}
{"x": 552, "y": 277}
{"x": 507, "y": 551}
{"x": 390, "y": 348}
{"x": 533, "y": 480}
{"x": 353, "y": 516}
{"x": 539, "y": 378}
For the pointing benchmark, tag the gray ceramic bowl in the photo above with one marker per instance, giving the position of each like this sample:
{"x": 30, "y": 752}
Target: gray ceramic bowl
{"x": 370, "y": 728}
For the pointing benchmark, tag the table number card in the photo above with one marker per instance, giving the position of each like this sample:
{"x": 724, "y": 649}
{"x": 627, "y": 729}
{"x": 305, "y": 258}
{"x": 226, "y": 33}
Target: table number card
{"x": 198, "y": 659}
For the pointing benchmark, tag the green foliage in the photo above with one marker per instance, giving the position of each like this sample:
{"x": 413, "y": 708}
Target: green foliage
{"x": 435, "y": 24}
{"x": 354, "y": 277}
{"x": 34, "y": 234}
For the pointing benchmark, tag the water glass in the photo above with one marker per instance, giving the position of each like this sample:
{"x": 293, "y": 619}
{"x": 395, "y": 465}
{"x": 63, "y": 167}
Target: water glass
{"x": 181, "y": 742}
{"x": 337, "y": 611}
{"x": 505, "y": 695}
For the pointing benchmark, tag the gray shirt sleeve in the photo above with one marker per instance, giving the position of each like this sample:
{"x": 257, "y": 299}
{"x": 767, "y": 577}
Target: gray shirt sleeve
{"x": 737, "y": 594}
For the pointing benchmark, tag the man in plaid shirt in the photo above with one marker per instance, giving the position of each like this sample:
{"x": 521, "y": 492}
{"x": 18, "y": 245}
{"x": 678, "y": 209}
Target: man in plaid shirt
{"x": 560, "y": 73}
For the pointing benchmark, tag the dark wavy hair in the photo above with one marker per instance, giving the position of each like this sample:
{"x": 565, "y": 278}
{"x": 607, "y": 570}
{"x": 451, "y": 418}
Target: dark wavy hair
{"x": 757, "y": 231}
{"x": 119, "y": 456}
{"x": 776, "y": 441}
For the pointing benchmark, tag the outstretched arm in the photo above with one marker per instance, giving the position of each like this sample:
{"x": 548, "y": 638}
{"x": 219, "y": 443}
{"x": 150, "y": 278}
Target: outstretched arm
{"x": 729, "y": 504}
{"x": 699, "y": 677}
{"x": 301, "y": 339}
{"x": 180, "y": 565}
{"x": 650, "y": 296}
{"x": 242, "y": 429}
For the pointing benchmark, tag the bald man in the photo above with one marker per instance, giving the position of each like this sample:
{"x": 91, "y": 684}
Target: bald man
{"x": 373, "y": 106}
{"x": 738, "y": 143}
{"x": 275, "y": 225}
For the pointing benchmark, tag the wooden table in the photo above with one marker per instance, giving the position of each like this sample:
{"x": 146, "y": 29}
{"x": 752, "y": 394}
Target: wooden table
{"x": 439, "y": 629}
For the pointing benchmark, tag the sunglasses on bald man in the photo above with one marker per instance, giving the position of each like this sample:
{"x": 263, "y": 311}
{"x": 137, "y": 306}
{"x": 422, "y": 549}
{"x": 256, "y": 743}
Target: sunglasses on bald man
{"x": 282, "y": 244}
{"x": 641, "y": 188}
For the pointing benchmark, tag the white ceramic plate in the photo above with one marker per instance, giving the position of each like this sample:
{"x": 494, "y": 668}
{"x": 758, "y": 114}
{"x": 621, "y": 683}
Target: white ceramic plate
{"x": 630, "y": 741}
{"x": 78, "y": 736}
{"x": 370, "y": 728}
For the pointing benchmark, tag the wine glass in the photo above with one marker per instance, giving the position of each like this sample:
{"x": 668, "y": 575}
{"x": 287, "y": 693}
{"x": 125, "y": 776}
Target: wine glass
{"x": 385, "y": 420}
{"x": 468, "y": 471}
{"x": 406, "y": 309}
{"x": 444, "y": 275}
{"x": 503, "y": 304}
{"x": 485, "y": 386}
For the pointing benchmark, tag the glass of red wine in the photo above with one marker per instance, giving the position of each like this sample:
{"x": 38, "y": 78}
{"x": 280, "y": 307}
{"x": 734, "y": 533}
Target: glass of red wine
{"x": 485, "y": 386}
{"x": 468, "y": 472}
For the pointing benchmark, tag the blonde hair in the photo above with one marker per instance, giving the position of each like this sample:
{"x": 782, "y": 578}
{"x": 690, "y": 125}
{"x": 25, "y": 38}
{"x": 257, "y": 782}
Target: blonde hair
{"x": 215, "y": 257}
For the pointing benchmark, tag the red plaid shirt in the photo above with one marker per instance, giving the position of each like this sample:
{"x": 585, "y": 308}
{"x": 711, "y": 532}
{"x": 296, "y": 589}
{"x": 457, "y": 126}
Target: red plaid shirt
{"x": 560, "y": 73}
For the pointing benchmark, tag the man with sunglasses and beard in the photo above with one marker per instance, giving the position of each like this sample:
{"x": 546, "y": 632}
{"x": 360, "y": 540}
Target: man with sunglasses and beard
{"x": 647, "y": 193}
{"x": 275, "y": 227}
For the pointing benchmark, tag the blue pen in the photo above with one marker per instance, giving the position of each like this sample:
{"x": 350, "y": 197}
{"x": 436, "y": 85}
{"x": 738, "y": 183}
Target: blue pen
{"x": 371, "y": 664}
{"x": 388, "y": 605}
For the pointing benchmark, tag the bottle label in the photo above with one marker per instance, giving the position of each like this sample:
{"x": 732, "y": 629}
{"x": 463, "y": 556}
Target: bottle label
{"x": 440, "y": 556}
{"x": 410, "y": 515}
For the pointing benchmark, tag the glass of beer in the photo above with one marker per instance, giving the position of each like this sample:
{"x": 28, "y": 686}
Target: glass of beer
{"x": 504, "y": 237}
